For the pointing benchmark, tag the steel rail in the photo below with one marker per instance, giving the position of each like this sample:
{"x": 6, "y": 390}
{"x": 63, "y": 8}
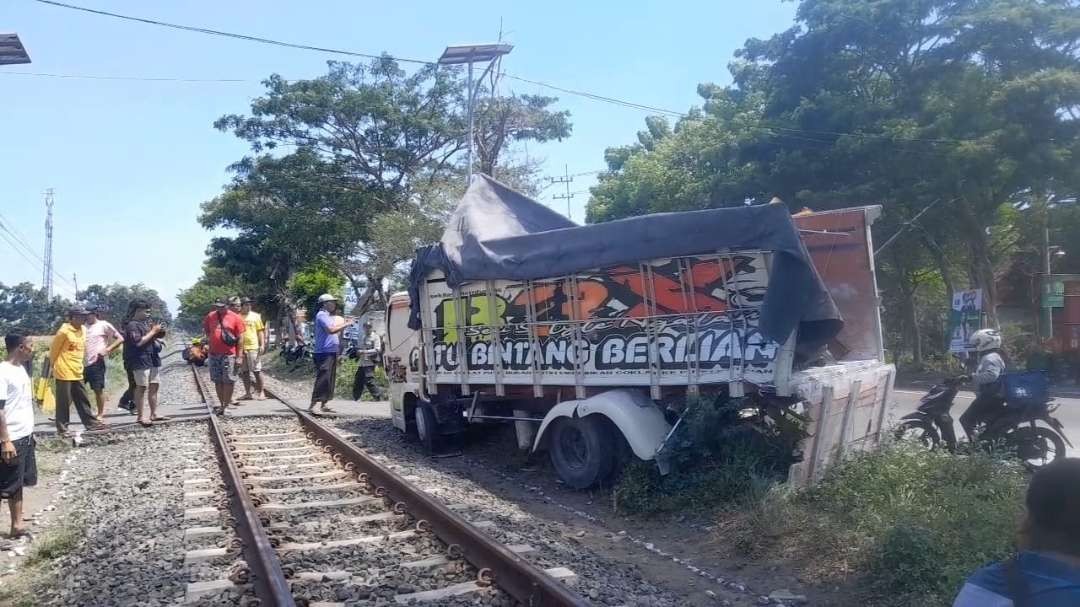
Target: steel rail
{"x": 266, "y": 574}
{"x": 498, "y": 565}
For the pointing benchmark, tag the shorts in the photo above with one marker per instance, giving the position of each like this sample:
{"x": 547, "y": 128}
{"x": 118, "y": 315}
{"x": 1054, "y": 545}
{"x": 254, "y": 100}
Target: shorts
{"x": 95, "y": 375}
{"x": 223, "y": 369}
{"x": 145, "y": 377}
{"x": 252, "y": 361}
{"x": 21, "y": 471}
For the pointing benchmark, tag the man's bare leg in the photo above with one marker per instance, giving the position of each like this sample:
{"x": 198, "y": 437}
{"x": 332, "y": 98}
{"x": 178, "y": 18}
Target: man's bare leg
{"x": 259, "y": 390}
{"x": 247, "y": 384}
{"x": 227, "y": 392}
{"x": 15, "y": 504}
{"x": 152, "y": 397}
{"x": 219, "y": 389}
{"x": 99, "y": 396}
{"x": 140, "y": 403}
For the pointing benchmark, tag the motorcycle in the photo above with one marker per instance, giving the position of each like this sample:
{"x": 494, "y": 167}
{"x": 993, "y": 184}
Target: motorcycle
{"x": 1015, "y": 426}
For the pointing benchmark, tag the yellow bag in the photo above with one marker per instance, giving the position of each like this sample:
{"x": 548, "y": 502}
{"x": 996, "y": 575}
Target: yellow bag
{"x": 46, "y": 398}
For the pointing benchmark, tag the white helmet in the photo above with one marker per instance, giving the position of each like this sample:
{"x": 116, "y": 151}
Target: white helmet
{"x": 985, "y": 339}
{"x": 325, "y": 297}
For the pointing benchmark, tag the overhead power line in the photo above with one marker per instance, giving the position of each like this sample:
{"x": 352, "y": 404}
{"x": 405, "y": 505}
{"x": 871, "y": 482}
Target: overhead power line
{"x": 128, "y": 78}
{"x": 779, "y": 130}
{"x": 213, "y": 32}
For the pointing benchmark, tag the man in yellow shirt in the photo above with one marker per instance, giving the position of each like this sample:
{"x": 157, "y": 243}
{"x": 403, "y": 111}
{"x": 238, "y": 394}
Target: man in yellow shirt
{"x": 254, "y": 345}
{"x": 66, "y": 355}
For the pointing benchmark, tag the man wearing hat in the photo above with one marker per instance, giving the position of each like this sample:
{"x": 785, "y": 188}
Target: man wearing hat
{"x": 102, "y": 339}
{"x": 369, "y": 354}
{"x": 254, "y": 345}
{"x": 225, "y": 329}
{"x": 327, "y": 347}
{"x": 67, "y": 355}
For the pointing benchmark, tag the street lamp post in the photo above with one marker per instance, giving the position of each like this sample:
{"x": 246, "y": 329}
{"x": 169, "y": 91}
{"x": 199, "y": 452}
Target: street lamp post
{"x": 470, "y": 54}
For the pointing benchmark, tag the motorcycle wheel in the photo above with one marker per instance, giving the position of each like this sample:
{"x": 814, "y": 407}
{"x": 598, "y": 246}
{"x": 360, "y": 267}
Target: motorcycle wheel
{"x": 919, "y": 431}
{"x": 1036, "y": 446}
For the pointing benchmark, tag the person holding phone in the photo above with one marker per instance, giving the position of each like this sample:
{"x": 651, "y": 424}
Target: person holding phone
{"x": 328, "y": 328}
{"x": 142, "y": 356}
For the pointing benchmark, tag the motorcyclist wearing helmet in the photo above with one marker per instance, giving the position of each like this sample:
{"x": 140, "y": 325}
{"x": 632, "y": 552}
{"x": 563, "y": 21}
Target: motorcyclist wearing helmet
{"x": 987, "y": 378}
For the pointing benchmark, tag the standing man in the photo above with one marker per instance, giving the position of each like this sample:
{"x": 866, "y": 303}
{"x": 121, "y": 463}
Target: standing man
{"x": 370, "y": 352}
{"x": 102, "y": 339}
{"x": 18, "y": 466}
{"x": 67, "y": 353}
{"x": 224, "y": 328}
{"x": 143, "y": 359}
{"x": 327, "y": 347}
{"x": 254, "y": 346}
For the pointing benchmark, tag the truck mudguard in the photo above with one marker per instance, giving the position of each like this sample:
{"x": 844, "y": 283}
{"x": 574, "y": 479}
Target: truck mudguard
{"x": 639, "y": 420}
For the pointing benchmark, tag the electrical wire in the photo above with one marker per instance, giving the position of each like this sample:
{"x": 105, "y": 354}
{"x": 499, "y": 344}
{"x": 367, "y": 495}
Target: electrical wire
{"x": 129, "y": 78}
{"x": 580, "y": 93}
{"x": 22, "y": 248}
{"x": 213, "y": 32}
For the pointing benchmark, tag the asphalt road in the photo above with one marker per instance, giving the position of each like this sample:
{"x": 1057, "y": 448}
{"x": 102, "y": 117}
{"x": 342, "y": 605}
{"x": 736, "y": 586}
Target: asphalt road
{"x": 907, "y": 399}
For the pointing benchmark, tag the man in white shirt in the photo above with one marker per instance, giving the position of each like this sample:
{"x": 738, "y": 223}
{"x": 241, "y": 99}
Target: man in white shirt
{"x": 18, "y": 466}
{"x": 102, "y": 339}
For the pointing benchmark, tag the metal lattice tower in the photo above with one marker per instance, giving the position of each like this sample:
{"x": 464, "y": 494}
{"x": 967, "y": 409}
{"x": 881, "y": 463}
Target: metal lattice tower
{"x": 47, "y": 276}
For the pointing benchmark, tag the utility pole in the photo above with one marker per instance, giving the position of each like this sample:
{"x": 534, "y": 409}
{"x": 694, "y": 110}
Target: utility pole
{"x": 565, "y": 179}
{"x": 46, "y": 278}
{"x": 75, "y": 282}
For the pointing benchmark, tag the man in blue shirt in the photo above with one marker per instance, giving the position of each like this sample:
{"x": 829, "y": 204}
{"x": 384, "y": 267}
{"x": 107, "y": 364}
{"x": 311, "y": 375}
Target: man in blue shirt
{"x": 1046, "y": 572}
{"x": 327, "y": 347}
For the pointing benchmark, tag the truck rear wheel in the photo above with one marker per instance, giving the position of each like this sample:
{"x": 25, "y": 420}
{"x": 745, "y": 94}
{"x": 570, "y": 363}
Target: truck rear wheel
{"x": 582, "y": 450}
{"x": 427, "y": 428}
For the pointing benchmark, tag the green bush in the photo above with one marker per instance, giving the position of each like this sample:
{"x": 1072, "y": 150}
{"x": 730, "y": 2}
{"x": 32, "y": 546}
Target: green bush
{"x": 908, "y": 523}
{"x": 716, "y": 457}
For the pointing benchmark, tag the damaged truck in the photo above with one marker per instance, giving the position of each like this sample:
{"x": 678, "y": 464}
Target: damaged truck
{"x": 592, "y": 339}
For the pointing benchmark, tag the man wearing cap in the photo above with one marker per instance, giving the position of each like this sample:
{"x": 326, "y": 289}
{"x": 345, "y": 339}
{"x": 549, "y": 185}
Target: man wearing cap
{"x": 327, "y": 347}
{"x": 225, "y": 329}
{"x": 142, "y": 356}
{"x": 369, "y": 354}
{"x": 102, "y": 339}
{"x": 66, "y": 355}
{"x": 253, "y": 348}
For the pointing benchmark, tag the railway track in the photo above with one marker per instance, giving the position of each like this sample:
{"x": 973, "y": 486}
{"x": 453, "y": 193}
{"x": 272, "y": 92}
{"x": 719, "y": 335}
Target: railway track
{"x": 320, "y": 523}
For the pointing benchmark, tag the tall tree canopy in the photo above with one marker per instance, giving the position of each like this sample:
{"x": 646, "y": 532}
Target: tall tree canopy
{"x": 971, "y": 104}
{"x": 351, "y": 171}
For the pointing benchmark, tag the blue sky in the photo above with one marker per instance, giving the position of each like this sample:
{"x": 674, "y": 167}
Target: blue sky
{"x": 130, "y": 162}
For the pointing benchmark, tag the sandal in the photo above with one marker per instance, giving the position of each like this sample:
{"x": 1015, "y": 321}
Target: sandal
{"x": 160, "y": 418}
{"x": 326, "y": 409}
{"x": 146, "y": 424}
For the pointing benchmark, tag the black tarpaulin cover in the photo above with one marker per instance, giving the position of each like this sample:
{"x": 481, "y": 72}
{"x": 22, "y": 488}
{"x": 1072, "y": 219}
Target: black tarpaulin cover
{"x": 498, "y": 233}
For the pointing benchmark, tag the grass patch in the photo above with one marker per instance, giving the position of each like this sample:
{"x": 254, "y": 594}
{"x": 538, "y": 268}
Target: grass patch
{"x": 53, "y": 545}
{"x": 23, "y": 588}
{"x": 274, "y": 363}
{"x": 908, "y": 525}
{"x": 718, "y": 454}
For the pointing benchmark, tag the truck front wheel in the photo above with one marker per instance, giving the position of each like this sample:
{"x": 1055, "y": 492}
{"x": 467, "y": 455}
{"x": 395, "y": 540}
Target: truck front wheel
{"x": 427, "y": 428}
{"x": 582, "y": 450}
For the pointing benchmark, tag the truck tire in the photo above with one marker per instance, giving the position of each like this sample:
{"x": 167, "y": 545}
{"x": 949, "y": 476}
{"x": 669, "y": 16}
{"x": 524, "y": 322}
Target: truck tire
{"x": 582, "y": 450}
{"x": 427, "y": 428}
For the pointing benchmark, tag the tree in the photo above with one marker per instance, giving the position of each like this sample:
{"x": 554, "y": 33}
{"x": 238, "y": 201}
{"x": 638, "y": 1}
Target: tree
{"x": 970, "y": 104}
{"x": 375, "y": 148}
{"x": 115, "y": 299}
{"x": 26, "y": 309}
{"x": 196, "y": 301}
{"x": 503, "y": 120}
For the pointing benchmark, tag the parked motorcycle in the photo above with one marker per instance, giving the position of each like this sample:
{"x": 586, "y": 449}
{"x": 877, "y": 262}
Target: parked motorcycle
{"x": 1015, "y": 426}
